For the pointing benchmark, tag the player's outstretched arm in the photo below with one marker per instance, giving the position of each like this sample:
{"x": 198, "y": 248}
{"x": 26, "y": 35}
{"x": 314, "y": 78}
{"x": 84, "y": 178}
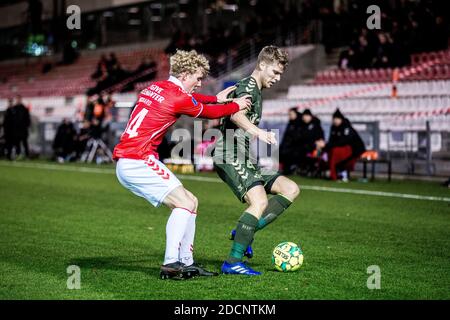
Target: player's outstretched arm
{"x": 242, "y": 122}
{"x": 190, "y": 107}
{"x": 214, "y": 112}
{"x": 221, "y": 97}
{"x": 203, "y": 98}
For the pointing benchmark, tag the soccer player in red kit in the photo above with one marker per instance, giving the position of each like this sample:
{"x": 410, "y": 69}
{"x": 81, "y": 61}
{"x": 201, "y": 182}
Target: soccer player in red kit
{"x": 138, "y": 169}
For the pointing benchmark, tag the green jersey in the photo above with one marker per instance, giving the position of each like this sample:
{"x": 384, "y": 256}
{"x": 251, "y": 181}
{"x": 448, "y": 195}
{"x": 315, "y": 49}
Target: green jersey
{"x": 244, "y": 87}
{"x": 233, "y": 161}
{"x": 229, "y": 146}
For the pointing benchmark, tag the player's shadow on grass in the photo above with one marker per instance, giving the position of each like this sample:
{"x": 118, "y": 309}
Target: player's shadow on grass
{"x": 119, "y": 263}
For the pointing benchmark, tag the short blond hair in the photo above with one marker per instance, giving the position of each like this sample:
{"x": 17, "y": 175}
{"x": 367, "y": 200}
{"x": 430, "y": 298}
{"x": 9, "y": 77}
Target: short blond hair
{"x": 271, "y": 54}
{"x": 188, "y": 62}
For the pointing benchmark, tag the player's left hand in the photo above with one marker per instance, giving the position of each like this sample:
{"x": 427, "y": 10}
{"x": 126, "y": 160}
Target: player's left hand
{"x": 222, "y": 95}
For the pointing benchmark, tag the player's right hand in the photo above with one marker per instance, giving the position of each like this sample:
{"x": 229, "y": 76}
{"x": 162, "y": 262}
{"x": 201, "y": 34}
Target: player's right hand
{"x": 244, "y": 102}
{"x": 267, "y": 136}
{"x": 222, "y": 95}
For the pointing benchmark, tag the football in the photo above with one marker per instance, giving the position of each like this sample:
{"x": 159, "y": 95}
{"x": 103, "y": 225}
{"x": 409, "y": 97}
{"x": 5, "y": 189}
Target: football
{"x": 287, "y": 256}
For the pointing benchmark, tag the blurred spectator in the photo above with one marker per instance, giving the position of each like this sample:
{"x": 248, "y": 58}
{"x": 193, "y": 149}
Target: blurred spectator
{"x": 310, "y": 134}
{"x": 384, "y": 54}
{"x": 109, "y": 106}
{"x": 96, "y": 129}
{"x": 346, "y": 59}
{"x": 89, "y": 109}
{"x": 362, "y": 53}
{"x": 8, "y": 129}
{"x": 344, "y": 147}
{"x": 99, "y": 110}
{"x": 289, "y": 148}
{"x": 108, "y": 111}
{"x": 101, "y": 68}
{"x": 113, "y": 75}
{"x": 117, "y": 73}
{"x": 407, "y": 27}
{"x": 64, "y": 142}
{"x": 111, "y": 61}
{"x": 82, "y": 138}
{"x": 146, "y": 71}
{"x": 18, "y": 122}
{"x": 147, "y": 64}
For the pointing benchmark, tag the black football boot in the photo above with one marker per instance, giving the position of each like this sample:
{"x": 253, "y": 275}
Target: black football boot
{"x": 196, "y": 269}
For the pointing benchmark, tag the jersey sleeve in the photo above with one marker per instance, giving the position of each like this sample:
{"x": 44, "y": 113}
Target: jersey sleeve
{"x": 204, "y": 98}
{"x": 219, "y": 111}
{"x": 189, "y": 106}
{"x": 245, "y": 88}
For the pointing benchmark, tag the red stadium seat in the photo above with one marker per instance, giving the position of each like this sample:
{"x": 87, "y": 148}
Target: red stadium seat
{"x": 67, "y": 80}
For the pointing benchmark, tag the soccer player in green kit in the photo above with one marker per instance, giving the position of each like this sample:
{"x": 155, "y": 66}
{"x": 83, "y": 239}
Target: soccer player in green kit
{"x": 237, "y": 167}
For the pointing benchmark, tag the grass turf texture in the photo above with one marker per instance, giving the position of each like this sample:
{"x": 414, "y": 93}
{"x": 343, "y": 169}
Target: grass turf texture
{"x": 52, "y": 219}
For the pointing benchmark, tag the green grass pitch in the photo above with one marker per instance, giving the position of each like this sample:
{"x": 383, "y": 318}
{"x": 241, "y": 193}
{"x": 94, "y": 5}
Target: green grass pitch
{"x": 51, "y": 219}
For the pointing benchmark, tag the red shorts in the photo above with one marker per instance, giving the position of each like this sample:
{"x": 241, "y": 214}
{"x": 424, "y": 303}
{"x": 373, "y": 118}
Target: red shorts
{"x": 340, "y": 157}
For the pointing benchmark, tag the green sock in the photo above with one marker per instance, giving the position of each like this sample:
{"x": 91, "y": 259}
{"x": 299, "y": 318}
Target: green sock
{"x": 244, "y": 235}
{"x": 277, "y": 204}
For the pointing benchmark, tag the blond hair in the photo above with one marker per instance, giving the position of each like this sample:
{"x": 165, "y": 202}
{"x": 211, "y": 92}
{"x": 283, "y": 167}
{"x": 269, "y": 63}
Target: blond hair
{"x": 271, "y": 54}
{"x": 188, "y": 62}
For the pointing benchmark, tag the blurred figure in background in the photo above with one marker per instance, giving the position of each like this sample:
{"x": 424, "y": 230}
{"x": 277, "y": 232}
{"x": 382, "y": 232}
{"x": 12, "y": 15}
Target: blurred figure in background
{"x": 8, "y": 129}
{"x": 289, "y": 148}
{"x": 89, "y": 109}
{"x": 21, "y": 123}
{"x": 148, "y": 63}
{"x": 344, "y": 147}
{"x": 311, "y": 133}
{"x": 101, "y": 67}
{"x": 64, "y": 142}
{"x": 82, "y": 138}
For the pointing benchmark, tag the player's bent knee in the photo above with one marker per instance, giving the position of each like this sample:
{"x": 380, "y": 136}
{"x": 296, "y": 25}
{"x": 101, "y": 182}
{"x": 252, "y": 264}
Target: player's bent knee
{"x": 188, "y": 204}
{"x": 261, "y": 204}
{"x": 291, "y": 190}
{"x": 195, "y": 200}
{"x": 181, "y": 199}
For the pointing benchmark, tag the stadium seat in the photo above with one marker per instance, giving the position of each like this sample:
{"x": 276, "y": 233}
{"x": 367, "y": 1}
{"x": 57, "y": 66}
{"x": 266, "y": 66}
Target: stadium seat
{"x": 28, "y": 79}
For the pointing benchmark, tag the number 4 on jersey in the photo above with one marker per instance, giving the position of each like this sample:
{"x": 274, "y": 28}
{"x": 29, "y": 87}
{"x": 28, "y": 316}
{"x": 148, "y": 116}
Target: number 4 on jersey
{"x": 135, "y": 123}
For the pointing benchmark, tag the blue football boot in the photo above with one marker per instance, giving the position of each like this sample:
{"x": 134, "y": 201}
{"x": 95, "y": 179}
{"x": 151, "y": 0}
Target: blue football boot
{"x": 238, "y": 268}
{"x": 249, "y": 251}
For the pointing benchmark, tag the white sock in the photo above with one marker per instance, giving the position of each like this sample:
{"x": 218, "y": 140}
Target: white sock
{"x": 175, "y": 229}
{"x": 187, "y": 244}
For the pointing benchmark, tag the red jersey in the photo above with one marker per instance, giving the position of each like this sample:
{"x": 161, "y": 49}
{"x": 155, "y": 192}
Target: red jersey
{"x": 158, "y": 107}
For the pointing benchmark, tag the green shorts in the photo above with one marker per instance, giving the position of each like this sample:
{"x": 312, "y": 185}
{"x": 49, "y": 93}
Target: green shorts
{"x": 242, "y": 177}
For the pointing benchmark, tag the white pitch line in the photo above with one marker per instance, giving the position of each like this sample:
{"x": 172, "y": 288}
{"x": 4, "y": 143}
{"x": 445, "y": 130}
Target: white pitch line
{"x": 60, "y": 167}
